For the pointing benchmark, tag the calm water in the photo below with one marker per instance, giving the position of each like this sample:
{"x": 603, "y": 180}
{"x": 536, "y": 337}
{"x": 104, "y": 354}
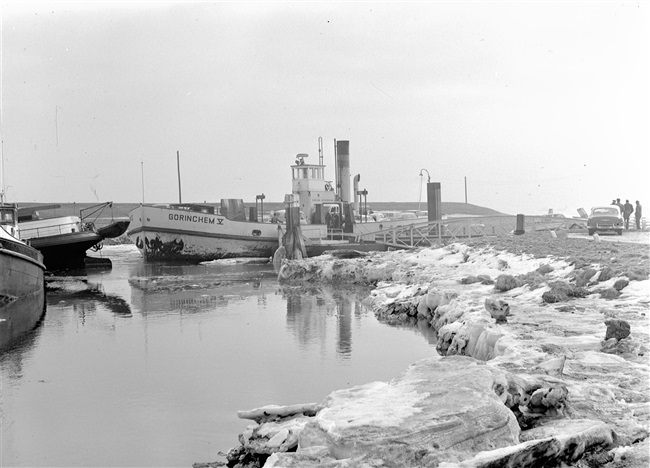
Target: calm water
{"x": 147, "y": 365}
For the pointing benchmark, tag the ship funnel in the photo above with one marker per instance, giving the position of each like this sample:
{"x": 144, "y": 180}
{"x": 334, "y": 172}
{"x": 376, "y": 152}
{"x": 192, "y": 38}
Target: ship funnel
{"x": 343, "y": 166}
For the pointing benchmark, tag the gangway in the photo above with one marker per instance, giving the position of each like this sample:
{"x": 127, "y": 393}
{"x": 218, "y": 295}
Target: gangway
{"x": 436, "y": 233}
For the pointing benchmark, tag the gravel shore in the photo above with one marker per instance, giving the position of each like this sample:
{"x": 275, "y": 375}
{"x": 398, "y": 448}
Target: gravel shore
{"x": 627, "y": 253}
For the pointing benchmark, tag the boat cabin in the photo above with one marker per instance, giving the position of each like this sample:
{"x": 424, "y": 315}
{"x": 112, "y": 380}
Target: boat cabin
{"x": 8, "y": 218}
{"x": 193, "y": 207}
{"x": 311, "y": 188}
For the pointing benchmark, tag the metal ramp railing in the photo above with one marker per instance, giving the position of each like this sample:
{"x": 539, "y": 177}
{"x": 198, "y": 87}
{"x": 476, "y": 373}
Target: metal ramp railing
{"x": 441, "y": 232}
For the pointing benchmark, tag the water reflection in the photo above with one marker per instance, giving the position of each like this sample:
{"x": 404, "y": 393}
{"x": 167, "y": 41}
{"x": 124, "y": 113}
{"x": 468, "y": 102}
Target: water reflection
{"x": 84, "y": 296}
{"x": 309, "y": 308}
{"x": 13, "y": 357}
{"x": 157, "y": 359}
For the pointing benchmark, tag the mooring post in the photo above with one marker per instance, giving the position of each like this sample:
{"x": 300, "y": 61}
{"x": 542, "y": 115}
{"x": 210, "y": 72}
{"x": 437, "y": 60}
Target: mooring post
{"x": 293, "y": 243}
{"x": 434, "y": 203}
{"x": 520, "y": 225}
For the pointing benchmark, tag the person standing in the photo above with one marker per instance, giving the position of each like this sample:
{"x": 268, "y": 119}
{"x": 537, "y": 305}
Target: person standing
{"x": 620, "y": 205}
{"x": 628, "y": 209}
{"x": 637, "y": 215}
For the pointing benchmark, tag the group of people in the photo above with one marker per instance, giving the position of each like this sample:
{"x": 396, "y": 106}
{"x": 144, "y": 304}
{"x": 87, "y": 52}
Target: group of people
{"x": 627, "y": 209}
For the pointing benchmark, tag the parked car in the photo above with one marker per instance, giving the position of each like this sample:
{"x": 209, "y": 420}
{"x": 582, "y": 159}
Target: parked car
{"x": 406, "y": 215}
{"x": 377, "y": 216}
{"x": 605, "y": 219}
{"x": 418, "y": 213}
{"x": 280, "y": 217}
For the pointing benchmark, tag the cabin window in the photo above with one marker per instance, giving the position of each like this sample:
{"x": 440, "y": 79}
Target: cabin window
{"x": 7, "y": 216}
{"x": 305, "y": 174}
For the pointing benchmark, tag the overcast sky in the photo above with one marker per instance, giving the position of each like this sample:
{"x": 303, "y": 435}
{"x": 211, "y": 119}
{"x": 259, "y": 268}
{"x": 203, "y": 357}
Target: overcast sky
{"x": 538, "y": 104}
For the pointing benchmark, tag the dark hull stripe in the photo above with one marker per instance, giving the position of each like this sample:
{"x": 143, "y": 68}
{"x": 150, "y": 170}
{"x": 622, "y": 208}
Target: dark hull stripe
{"x": 209, "y": 235}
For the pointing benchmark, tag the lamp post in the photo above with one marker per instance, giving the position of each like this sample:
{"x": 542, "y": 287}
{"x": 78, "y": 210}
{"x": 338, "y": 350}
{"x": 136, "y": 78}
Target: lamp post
{"x": 428, "y": 180}
{"x": 261, "y": 199}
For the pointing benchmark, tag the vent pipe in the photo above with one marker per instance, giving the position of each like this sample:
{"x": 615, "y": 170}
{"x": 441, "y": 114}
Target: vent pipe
{"x": 355, "y": 189}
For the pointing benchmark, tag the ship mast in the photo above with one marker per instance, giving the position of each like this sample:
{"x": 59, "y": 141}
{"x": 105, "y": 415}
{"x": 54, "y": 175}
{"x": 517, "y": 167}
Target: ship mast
{"x": 178, "y": 166}
{"x": 2, "y": 151}
{"x": 2, "y": 170}
{"x": 2, "y": 138}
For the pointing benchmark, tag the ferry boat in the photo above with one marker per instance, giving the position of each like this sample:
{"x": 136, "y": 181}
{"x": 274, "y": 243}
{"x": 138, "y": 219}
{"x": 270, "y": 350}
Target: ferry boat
{"x": 22, "y": 285}
{"x": 202, "y": 232}
{"x": 194, "y": 232}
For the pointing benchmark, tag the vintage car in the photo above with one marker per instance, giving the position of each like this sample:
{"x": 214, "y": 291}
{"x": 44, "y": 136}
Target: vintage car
{"x": 280, "y": 217}
{"x": 605, "y": 219}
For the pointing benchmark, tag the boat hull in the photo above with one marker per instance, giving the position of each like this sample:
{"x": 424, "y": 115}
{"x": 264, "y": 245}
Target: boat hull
{"x": 113, "y": 230}
{"x": 170, "y": 234}
{"x": 64, "y": 240}
{"x": 22, "y": 291}
{"x": 65, "y": 251}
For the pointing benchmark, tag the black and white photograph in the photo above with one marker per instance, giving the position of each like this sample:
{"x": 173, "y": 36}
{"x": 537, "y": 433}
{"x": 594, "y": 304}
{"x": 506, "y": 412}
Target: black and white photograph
{"x": 324, "y": 234}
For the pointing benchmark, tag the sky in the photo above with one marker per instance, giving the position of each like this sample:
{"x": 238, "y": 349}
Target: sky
{"x": 530, "y": 106}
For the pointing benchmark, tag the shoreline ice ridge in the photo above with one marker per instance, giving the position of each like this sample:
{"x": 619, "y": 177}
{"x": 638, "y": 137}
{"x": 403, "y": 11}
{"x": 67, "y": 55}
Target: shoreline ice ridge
{"x": 502, "y": 339}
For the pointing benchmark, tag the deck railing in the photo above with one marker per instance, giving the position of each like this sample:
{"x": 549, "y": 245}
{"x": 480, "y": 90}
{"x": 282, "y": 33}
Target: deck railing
{"x": 53, "y": 230}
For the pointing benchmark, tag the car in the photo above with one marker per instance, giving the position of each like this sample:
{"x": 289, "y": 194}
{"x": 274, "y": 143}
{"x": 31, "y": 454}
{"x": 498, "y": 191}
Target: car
{"x": 605, "y": 219}
{"x": 406, "y": 215}
{"x": 418, "y": 213}
{"x": 377, "y": 216}
{"x": 280, "y": 217}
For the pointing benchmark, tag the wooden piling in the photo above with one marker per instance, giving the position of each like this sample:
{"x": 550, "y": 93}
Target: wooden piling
{"x": 293, "y": 242}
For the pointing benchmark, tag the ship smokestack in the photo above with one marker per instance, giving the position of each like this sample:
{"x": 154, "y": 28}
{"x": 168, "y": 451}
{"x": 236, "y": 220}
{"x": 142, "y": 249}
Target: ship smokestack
{"x": 343, "y": 165}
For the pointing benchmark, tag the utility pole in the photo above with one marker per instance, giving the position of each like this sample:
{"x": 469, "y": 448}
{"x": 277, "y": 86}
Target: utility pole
{"x": 466, "y": 190}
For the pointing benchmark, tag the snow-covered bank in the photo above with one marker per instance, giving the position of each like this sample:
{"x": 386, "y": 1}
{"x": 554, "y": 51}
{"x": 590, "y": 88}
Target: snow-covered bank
{"x": 525, "y": 373}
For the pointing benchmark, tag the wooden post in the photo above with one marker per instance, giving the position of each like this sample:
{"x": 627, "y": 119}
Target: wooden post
{"x": 293, "y": 242}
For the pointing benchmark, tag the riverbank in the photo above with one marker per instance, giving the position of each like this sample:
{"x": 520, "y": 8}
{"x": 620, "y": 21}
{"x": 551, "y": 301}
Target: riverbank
{"x": 543, "y": 356}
